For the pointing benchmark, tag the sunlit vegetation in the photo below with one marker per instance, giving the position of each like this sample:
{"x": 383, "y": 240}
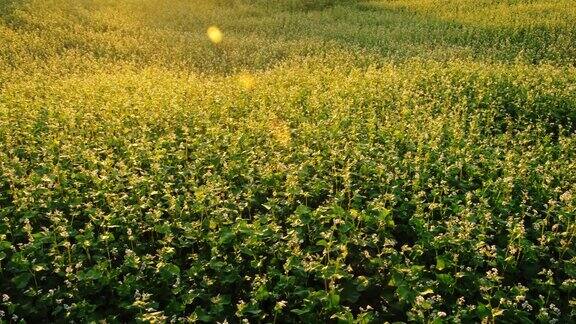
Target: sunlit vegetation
{"x": 287, "y": 161}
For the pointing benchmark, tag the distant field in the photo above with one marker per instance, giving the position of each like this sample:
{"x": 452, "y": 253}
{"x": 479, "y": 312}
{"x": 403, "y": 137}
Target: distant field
{"x": 326, "y": 161}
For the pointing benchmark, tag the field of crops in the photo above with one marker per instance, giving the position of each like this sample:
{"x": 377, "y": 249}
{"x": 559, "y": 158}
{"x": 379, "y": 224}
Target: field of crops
{"x": 303, "y": 161}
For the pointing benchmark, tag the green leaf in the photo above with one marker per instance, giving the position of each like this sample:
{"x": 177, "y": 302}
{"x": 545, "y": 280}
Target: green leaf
{"x": 261, "y": 293}
{"x": 162, "y": 228}
{"x": 92, "y": 274}
{"x": 437, "y": 320}
{"x": 483, "y": 311}
{"x": 303, "y": 213}
{"x": 202, "y": 315}
{"x": 171, "y": 269}
{"x": 405, "y": 293}
{"x": 446, "y": 279}
{"x": 22, "y": 280}
{"x": 321, "y": 243}
{"x": 226, "y": 236}
{"x": 386, "y": 216}
{"x": 5, "y": 245}
{"x": 300, "y": 311}
{"x": 333, "y": 299}
{"x": 301, "y": 210}
{"x": 441, "y": 263}
{"x": 350, "y": 293}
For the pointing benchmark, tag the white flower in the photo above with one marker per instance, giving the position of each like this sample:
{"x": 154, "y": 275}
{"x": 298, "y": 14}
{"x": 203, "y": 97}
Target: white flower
{"x": 280, "y": 304}
{"x": 526, "y": 305}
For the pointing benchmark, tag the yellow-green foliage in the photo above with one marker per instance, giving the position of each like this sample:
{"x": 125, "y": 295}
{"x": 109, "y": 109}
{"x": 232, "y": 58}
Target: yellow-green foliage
{"x": 494, "y": 13}
{"x": 361, "y": 161}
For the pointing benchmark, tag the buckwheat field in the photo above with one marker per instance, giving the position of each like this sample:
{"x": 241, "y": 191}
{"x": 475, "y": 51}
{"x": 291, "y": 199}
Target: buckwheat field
{"x": 288, "y": 161}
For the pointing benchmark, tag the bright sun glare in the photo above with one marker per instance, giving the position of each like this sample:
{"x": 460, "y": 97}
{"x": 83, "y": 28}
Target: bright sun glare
{"x": 214, "y": 34}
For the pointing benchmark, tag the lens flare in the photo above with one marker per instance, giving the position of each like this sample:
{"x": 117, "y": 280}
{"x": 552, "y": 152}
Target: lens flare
{"x": 214, "y": 34}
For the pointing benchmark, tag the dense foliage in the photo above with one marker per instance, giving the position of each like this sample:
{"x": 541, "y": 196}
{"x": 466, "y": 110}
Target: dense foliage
{"x": 358, "y": 162}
